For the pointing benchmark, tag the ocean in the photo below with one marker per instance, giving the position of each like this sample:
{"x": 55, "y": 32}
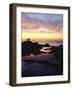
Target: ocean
{"x": 43, "y": 64}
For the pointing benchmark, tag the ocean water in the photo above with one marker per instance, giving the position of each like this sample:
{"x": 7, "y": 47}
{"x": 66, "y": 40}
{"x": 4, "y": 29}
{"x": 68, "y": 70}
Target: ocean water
{"x": 51, "y": 67}
{"x": 31, "y": 69}
{"x": 53, "y": 42}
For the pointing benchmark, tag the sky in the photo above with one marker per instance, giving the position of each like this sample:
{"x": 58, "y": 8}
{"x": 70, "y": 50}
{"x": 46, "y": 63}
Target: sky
{"x": 40, "y": 26}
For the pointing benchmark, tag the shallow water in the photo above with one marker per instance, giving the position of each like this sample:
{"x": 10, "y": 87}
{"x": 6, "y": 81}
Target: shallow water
{"x": 43, "y": 64}
{"x": 40, "y": 69}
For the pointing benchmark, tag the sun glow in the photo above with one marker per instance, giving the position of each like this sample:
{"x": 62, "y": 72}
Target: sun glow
{"x": 42, "y": 35}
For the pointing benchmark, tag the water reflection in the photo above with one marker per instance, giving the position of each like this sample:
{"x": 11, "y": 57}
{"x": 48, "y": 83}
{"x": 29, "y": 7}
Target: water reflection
{"x": 46, "y": 49}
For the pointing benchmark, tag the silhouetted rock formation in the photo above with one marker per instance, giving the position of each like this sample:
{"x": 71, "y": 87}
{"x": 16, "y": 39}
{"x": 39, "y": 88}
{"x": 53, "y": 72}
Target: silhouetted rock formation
{"x": 46, "y": 45}
{"x": 28, "y": 47}
{"x": 58, "y": 52}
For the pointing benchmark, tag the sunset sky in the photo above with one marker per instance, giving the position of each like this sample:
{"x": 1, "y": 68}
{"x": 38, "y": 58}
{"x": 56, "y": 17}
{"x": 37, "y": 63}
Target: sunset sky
{"x": 38, "y": 26}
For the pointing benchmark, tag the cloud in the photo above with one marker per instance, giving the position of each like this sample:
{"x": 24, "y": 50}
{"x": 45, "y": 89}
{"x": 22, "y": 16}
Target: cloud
{"x": 37, "y": 21}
